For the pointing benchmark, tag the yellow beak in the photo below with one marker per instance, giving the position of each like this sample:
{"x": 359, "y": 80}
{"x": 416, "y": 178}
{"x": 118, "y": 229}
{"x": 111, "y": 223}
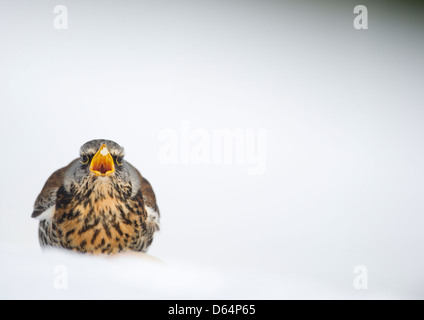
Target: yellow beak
{"x": 102, "y": 162}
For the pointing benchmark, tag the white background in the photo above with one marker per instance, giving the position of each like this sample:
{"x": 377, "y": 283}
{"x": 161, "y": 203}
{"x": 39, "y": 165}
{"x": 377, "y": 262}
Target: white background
{"x": 343, "y": 112}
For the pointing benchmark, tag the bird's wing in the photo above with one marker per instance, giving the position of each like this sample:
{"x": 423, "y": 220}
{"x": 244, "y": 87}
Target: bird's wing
{"x": 148, "y": 194}
{"x": 47, "y": 198}
{"x": 149, "y": 197}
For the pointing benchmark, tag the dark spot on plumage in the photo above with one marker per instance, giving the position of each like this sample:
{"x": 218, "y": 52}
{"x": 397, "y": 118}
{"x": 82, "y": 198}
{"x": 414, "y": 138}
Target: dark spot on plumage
{"x": 107, "y": 230}
{"x": 139, "y": 202}
{"x": 88, "y": 226}
{"x": 86, "y": 203}
{"x": 63, "y": 198}
{"x": 121, "y": 211}
{"x": 95, "y": 235}
{"x": 117, "y": 227}
{"x": 128, "y": 192}
{"x": 75, "y": 214}
{"x": 128, "y": 206}
{"x": 91, "y": 212}
{"x": 143, "y": 225}
{"x": 70, "y": 232}
{"x": 88, "y": 191}
{"x": 113, "y": 217}
{"x": 125, "y": 220}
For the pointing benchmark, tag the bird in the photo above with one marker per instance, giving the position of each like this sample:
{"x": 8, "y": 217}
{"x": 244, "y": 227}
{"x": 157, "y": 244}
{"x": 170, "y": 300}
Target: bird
{"x": 98, "y": 204}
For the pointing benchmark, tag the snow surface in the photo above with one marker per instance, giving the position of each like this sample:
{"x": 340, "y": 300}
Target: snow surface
{"x": 35, "y": 275}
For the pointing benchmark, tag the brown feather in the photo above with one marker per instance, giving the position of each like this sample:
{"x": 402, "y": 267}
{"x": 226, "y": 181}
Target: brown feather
{"x": 47, "y": 196}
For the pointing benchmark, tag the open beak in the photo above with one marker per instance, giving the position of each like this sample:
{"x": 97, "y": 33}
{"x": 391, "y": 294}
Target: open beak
{"x": 102, "y": 162}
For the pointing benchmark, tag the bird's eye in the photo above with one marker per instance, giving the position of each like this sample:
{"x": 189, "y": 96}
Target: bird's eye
{"x": 84, "y": 159}
{"x": 119, "y": 161}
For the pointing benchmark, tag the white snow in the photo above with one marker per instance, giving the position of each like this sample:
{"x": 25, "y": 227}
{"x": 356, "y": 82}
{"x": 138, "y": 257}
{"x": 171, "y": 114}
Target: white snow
{"x": 62, "y": 275}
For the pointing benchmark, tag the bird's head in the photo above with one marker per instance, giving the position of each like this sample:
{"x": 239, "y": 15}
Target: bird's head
{"x": 102, "y": 157}
{"x": 101, "y": 164}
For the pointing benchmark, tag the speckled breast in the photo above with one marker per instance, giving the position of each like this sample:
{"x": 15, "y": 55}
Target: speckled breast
{"x": 100, "y": 219}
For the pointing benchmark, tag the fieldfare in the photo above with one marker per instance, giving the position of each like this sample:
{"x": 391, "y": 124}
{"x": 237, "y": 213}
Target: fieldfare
{"x": 99, "y": 203}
